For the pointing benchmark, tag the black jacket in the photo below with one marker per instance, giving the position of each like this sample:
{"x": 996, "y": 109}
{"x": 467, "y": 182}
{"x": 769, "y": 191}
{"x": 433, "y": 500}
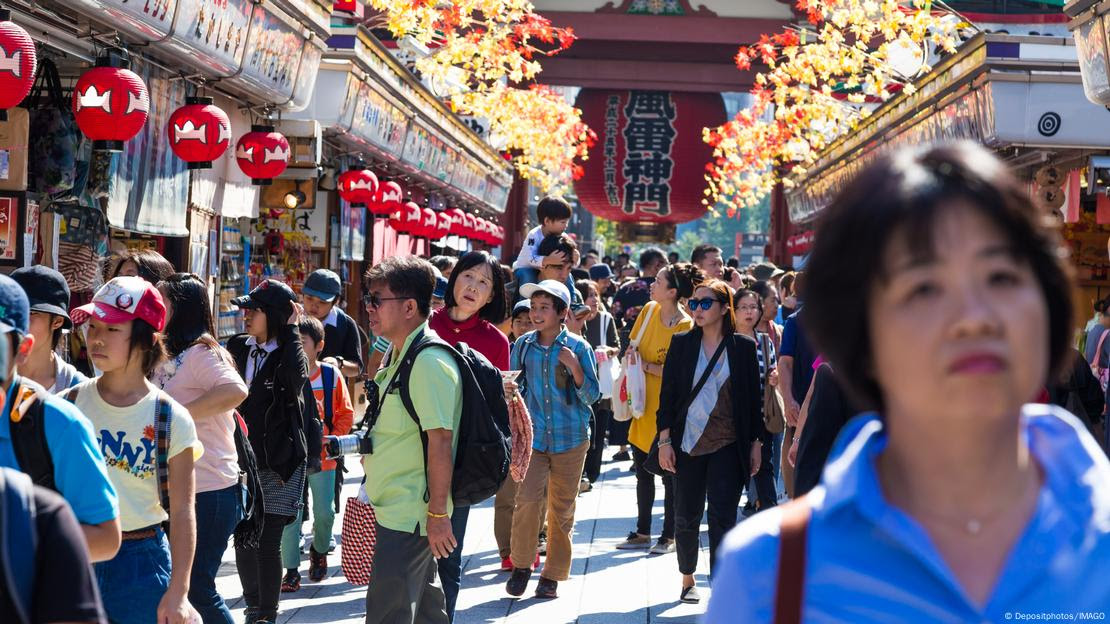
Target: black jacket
{"x": 274, "y": 407}
{"x": 1082, "y": 387}
{"x": 829, "y": 411}
{"x": 343, "y": 339}
{"x": 678, "y": 382}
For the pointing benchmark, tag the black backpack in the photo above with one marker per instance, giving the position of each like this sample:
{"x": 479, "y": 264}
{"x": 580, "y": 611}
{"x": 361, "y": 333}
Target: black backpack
{"x": 29, "y": 437}
{"x": 484, "y": 442}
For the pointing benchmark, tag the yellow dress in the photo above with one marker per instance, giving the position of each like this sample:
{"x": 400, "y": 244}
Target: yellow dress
{"x": 653, "y": 348}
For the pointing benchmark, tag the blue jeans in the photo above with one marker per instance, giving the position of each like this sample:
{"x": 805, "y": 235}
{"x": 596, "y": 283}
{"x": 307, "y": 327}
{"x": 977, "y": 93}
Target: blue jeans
{"x": 134, "y": 581}
{"x": 218, "y": 513}
{"x": 321, "y": 485}
{"x": 450, "y": 569}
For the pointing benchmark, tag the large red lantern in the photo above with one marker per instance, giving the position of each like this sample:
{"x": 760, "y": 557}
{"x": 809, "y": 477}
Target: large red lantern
{"x": 457, "y": 221}
{"x": 443, "y": 225}
{"x": 18, "y": 63}
{"x": 408, "y": 219}
{"x": 110, "y": 102}
{"x": 483, "y": 230}
{"x": 469, "y": 229}
{"x": 389, "y": 198}
{"x": 429, "y": 226}
{"x": 499, "y": 236}
{"x": 358, "y": 186}
{"x": 199, "y": 132}
{"x": 262, "y": 154}
{"x": 649, "y": 161}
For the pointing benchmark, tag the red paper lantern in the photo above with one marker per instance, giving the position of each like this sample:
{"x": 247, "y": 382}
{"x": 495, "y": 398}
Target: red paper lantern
{"x": 650, "y": 143}
{"x": 262, "y": 154}
{"x": 499, "y": 236}
{"x": 443, "y": 225}
{"x": 469, "y": 229}
{"x": 408, "y": 219}
{"x": 429, "y": 227}
{"x": 199, "y": 132}
{"x": 457, "y": 221}
{"x": 110, "y": 102}
{"x": 18, "y": 63}
{"x": 358, "y": 186}
{"x": 483, "y": 230}
{"x": 388, "y": 199}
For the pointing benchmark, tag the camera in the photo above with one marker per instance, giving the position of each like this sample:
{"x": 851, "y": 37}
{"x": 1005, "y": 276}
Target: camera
{"x": 356, "y": 443}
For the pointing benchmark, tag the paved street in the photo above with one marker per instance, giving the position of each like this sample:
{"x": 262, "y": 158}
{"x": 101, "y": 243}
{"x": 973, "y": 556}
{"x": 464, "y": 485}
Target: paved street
{"x": 606, "y": 585}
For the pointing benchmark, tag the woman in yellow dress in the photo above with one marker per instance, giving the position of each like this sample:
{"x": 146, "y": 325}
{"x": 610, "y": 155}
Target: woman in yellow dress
{"x": 664, "y": 317}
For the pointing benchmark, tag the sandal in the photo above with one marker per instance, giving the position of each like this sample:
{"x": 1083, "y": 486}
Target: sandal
{"x": 690, "y": 595}
{"x": 291, "y": 582}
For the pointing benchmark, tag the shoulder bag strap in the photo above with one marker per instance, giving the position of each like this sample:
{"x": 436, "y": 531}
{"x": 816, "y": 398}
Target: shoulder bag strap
{"x": 790, "y": 590}
{"x": 765, "y": 342}
{"x": 647, "y": 310}
{"x": 162, "y": 449}
{"x": 704, "y": 375}
{"x": 1097, "y": 364}
{"x": 327, "y": 382}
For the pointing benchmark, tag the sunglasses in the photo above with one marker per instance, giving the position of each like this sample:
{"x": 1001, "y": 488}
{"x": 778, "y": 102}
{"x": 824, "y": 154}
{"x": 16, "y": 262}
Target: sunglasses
{"x": 375, "y": 302}
{"x": 704, "y": 304}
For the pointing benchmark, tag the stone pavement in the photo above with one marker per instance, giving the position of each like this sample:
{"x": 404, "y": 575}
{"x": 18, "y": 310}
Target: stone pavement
{"x": 606, "y": 585}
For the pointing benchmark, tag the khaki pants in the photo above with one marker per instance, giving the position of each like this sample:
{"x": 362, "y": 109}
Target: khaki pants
{"x": 503, "y": 505}
{"x": 787, "y": 469}
{"x": 560, "y": 473}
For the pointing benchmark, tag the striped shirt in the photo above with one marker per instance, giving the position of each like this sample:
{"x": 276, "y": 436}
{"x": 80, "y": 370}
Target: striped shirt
{"x": 560, "y": 411}
{"x": 761, "y": 339}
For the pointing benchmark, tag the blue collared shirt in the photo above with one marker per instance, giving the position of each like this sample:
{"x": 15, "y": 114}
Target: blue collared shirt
{"x": 868, "y": 561}
{"x": 560, "y": 411}
{"x": 79, "y": 470}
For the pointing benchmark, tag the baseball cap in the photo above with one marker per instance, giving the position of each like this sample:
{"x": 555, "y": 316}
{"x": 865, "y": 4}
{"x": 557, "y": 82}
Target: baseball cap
{"x": 765, "y": 271}
{"x": 47, "y": 291}
{"x": 15, "y": 312}
{"x": 269, "y": 293}
{"x": 124, "y": 299}
{"x": 600, "y": 271}
{"x": 441, "y": 287}
{"x": 551, "y": 287}
{"x": 523, "y": 305}
{"x": 323, "y": 284}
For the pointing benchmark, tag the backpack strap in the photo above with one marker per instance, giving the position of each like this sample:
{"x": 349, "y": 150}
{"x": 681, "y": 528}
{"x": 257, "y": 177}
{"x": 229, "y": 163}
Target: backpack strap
{"x": 327, "y": 380}
{"x": 27, "y": 423}
{"x": 162, "y": 419}
{"x": 18, "y": 540}
{"x": 790, "y": 590}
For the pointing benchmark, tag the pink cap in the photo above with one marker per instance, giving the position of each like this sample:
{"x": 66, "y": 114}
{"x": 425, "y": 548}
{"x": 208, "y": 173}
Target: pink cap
{"x": 124, "y": 299}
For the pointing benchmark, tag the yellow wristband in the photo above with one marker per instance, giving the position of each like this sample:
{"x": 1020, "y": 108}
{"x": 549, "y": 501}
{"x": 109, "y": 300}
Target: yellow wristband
{"x": 435, "y": 515}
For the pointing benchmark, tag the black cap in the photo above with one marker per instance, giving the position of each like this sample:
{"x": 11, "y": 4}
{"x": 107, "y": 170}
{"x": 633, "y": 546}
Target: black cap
{"x": 269, "y": 293}
{"x": 47, "y": 291}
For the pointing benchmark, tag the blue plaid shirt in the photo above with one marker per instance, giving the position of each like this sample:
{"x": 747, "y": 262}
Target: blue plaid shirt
{"x": 560, "y": 411}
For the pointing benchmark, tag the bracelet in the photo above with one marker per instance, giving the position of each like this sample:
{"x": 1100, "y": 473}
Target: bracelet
{"x": 432, "y": 514}
{"x": 666, "y": 442}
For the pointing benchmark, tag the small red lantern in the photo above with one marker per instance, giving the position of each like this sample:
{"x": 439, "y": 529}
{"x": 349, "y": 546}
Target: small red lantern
{"x": 18, "y": 63}
{"x": 110, "y": 102}
{"x": 388, "y": 199}
{"x": 430, "y": 224}
{"x": 408, "y": 219}
{"x": 443, "y": 225}
{"x": 262, "y": 154}
{"x": 358, "y": 186}
{"x": 469, "y": 227}
{"x": 481, "y": 229}
{"x": 199, "y": 132}
{"x": 457, "y": 220}
{"x": 499, "y": 236}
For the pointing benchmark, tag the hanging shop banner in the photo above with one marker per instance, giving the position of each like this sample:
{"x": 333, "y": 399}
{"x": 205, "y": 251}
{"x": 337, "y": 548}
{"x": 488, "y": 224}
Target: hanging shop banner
{"x": 307, "y": 72}
{"x": 151, "y": 20}
{"x": 352, "y": 231}
{"x": 377, "y": 121}
{"x": 1090, "y": 41}
{"x": 213, "y": 35}
{"x": 274, "y": 48}
{"x": 225, "y": 189}
{"x": 150, "y": 185}
{"x": 648, "y": 163}
{"x": 427, "y": 152}
{"x": 497, "y": 193}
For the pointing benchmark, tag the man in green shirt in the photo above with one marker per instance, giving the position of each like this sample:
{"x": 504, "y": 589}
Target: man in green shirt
{"x": 413, "y": 508}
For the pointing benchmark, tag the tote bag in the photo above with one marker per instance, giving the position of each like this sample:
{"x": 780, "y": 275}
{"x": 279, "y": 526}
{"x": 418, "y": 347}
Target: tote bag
{"x": 360, "y": 539}
{"x": 608, "y": 367}
{"x": 630, "y": 391}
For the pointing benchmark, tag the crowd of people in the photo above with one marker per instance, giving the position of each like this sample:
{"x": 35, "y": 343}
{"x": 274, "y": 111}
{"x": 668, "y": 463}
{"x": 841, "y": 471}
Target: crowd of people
{"x": 136, "y": 446}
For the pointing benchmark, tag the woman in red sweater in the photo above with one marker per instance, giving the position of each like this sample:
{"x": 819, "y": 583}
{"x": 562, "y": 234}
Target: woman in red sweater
{"x": 474, "y": 305}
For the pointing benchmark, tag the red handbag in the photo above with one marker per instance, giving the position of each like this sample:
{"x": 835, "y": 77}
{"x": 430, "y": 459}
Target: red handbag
{"x": 360, "y": 538}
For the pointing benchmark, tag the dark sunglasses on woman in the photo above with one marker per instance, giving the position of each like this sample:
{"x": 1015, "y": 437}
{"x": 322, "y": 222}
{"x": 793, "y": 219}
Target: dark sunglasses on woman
{"x": 705, "y": 304}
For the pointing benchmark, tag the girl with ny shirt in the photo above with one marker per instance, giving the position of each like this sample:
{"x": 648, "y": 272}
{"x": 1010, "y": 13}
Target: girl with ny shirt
{"x": 148, "y": 579}
{"x": 200, "y": 374}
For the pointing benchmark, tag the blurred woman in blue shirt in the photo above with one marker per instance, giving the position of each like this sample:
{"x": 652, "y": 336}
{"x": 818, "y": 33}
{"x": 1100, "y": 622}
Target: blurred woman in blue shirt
{"x": 946, "y": 306}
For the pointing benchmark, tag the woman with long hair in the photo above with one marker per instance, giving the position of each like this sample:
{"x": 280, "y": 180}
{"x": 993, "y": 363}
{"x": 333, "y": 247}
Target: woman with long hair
{"x": 709, "y": 424}
{"x": 200, "y": 375}
{"x": 657, "y": 323}
{"x": 149, "y": 443}
{"x": 749, "y": 316}
{"x": 946, "y": 303}
{"x": 272, "y": 361}
{"x": 145, "y": 263}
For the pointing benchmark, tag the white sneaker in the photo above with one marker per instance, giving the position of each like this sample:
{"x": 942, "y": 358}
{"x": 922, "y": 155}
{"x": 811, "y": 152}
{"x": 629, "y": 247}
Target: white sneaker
{"x": 663, "y": 546}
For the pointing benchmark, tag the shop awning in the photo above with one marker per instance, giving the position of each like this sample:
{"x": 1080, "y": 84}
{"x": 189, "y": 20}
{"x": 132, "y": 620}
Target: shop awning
{"x": 1021, "y": 95}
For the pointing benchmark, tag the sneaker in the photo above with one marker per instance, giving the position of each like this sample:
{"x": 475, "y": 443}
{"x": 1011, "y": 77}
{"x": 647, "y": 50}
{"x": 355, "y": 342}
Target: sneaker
{"x": 547, "y": 589}
{"x": 635, "y": 541}
{"x": 518, "y": 582}
{"x": 584, "y": 486}
{"x": 331, "y": 544}
{"x": 507, "y": 564}
{"x": 291, "y": 582}
{"x": 663, "y": 546}
{"x": 690, "y": 595}
{"x": 622, "y": 456}
{"x": 317, "y": 565}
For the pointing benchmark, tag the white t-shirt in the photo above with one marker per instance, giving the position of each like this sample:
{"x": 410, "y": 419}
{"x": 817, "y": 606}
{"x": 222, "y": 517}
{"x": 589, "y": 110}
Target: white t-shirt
{"x": 528, "y": 257}
{"x": 126, "y": 438}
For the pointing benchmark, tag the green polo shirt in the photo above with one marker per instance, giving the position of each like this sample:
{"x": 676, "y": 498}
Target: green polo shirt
{"x": 395, "y": 481}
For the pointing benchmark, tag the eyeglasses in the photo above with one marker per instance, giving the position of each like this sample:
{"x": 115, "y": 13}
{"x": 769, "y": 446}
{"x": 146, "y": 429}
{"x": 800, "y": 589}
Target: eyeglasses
{"x": 374, "y": 301}
{"x": 704, "y": 304}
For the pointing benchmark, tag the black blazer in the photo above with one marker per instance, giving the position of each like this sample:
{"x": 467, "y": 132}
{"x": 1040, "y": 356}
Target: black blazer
{"x": 678, "y": 382}
{"x": 829, "y": 411}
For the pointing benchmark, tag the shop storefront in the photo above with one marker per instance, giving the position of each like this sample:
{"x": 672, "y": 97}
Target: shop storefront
{"x": 1021, "y": 96}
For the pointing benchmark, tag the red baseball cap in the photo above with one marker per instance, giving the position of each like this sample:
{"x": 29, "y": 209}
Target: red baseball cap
{"x": 124, "y": 299}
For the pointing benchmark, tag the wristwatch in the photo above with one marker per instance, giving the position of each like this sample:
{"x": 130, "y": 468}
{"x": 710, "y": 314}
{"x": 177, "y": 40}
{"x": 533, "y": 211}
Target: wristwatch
{"x": 339, "y": 362}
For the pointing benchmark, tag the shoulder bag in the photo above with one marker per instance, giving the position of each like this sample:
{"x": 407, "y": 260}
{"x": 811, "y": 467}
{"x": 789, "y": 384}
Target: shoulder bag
{"x": 630, "y": 389}
{"x": 774, "y": 408}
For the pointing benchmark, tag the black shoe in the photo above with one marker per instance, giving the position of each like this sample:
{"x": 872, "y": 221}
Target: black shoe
{"x": 690, "y": 595}
{"x": 622, "y": 456}
{"x": 547, "y": 589}
{"x": 317, "y": 565}
{"x": 748, "y": 510}
{"x": 518, "y": 582}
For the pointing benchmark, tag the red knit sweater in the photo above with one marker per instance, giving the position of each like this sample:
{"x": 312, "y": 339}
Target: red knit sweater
{"x": 477, "y": 333}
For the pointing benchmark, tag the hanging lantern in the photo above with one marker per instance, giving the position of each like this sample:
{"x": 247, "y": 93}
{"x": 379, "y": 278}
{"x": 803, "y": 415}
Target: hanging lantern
{"x": 499, "y": 236}
{"x": 469, "y": 228}
{"x": 408, "y": 219}
{"x": 358, "y": 187}
{"x": 482, "y": 229}
{"x": 110, "y": 102}
{"x": 18, "y": 63}
{"x": 457, "y": 221}
{"x": 388, "y": 199}
{"x": 443, "y": 225}
{"x": 199, "y": 132}
{"x": 429, "y": 225}
{"x": 262, "y": 154}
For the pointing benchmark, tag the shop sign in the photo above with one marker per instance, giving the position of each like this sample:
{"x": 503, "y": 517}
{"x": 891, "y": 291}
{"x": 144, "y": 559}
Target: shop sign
{"x": 352, "y": 232}
{"x": 274, "y": 48}
{"x": 497, "y": 194}
{"x": 213, "y": 34}
{"x": 374, "y": 119}
{"x": 307, "y": 72}
{"x": 151, "y": 20}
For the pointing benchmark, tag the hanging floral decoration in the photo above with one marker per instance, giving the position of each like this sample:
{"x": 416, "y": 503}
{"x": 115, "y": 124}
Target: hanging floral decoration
{"x": 817, "y": 83}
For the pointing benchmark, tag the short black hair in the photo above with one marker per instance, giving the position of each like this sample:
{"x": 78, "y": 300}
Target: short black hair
{"x": 553, "y": 208}
{"x": 624, "y": 256}
{"x": 557, "y": 242}
{"x": 407, "y": 276}
{"x": 559, "y": 305}
{"x": 672, "y": 257}
{"x": 1102, "y": 305}
{"x": 650, "y": 256}
{"x": 608, "y": 260}
{"x": 906, "y": 191}
{"x": 443, "y": 263}
{"x": 703, "y": 250}
{"x": 733, "y": 262}
{"x": 494, "y": 311}
{"x": 312, "y": 327}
